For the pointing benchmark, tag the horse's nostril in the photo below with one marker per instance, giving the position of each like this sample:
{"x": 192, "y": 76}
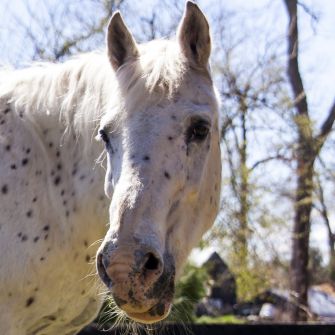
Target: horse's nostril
{"x": 102, "y": 271}
{"x": 152, "y": 262}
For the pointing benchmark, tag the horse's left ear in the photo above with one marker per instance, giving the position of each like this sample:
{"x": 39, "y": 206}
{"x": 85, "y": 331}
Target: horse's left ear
{"x": 193, "y": 35}
{"x": 120, "y": 42}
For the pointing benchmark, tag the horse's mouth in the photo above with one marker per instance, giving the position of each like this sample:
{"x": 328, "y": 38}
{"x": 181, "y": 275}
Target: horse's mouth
{"x": 156, "y": 313}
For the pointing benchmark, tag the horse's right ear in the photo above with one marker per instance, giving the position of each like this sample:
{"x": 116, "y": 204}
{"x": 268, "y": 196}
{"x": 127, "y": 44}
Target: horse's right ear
{"x": 121, "y": 45}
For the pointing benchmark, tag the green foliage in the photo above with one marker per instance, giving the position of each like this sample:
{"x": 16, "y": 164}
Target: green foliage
{"x": 318, "y": 273}
{"x": 190, "y": 289}
{"x": 249, "y": 283}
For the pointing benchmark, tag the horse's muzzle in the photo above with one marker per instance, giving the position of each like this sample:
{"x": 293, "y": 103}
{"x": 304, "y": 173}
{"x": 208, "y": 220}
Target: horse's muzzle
{"x": 140, "y": 280}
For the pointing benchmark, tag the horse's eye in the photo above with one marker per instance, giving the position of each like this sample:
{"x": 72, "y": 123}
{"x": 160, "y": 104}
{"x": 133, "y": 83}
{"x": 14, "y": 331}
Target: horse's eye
{"x": 104, "y": 136}
{"x": 198, "y": 131}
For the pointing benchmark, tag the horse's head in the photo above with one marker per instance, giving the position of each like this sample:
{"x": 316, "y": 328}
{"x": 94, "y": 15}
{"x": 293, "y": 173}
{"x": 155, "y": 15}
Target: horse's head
{"x": 164, "y": 171}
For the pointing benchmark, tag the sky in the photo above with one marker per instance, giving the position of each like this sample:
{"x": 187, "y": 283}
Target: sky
{"x": 317, "y": 46}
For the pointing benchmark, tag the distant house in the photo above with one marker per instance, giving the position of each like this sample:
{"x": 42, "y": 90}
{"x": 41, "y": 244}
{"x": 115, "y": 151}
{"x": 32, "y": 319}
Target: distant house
{"x": 271, "y": 305}
{"x": 222, "y": 291}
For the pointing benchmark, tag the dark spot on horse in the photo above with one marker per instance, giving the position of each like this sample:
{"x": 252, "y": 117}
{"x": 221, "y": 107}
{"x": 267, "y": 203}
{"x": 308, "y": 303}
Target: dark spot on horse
{"x": 36, "y": 238}
{"x": 146, "y": 158}
{"x": 167, "y": 175}
{"x": 52, "y": 318}
{"x": 28, "y": 151}
{"x": 4, "y": 189}
{"x": 24, "y": 238}
{"x": 87, "y": 258}
{"x": 85, "y": 243}
{"x": 208, "y": 146}
{"x": 10, "y": 294}
{"x": 46, "y": 228}
{"x": 51, "y": 144}
{"x": 34, "y": 199}
{"x": 173, "y": 117}
{"x": 170, "y": 138}
{"x": 131, "y": 294}
{"x": 59, "y": 167}
{"x": 57, "y": 180}
{"x": 57, "y": 153}
{"x": 35, "y": 289}
{"x": 24, "y": 161}
{"x": 74, "y": 171}
{"x": 19, "y": 234}
{"x": 82, "y": 177}
{"x": 42, "y": 259}
{"x": 13, "y": 167}
{"x": 21, "y": 114}
{"x": 46, "y": 237}
{"x": 65, "y": 202}
{"x": 29, "y": 214}
{"x": 62, "y": 192}
{"x": 2, "y": 122}
{"x": 7, "y": 147}
{"x": 83, "y": 292}
{"x": 7, "y": 110}
{"x": 67, "y": 213}
{"x": 30, "y": 301}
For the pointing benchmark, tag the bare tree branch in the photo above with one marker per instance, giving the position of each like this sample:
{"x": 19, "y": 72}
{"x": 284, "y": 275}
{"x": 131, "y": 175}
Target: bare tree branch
{"x": 326, "y": 128}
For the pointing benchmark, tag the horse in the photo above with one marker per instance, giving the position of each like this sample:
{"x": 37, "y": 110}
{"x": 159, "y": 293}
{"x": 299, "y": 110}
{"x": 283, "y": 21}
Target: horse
{"x": 120, "y": 149}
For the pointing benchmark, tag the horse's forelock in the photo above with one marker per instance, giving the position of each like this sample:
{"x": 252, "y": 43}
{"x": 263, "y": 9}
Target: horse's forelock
{"x": 159, "y": 69}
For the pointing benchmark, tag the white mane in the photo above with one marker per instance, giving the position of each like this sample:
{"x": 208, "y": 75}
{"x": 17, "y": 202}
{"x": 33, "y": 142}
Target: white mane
{"x": 81, "y": 89}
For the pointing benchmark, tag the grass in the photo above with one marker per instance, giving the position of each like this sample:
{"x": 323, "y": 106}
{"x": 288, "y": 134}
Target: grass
{"x": 232, "y": 319}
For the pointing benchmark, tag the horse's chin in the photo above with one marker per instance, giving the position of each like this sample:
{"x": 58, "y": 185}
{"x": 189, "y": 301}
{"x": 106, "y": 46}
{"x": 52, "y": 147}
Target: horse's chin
{"x": 155, "y": 314}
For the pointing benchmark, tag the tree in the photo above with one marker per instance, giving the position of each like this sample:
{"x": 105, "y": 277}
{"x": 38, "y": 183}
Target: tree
{"x": 308, "y": 149}
{"x": 253, "y": 92}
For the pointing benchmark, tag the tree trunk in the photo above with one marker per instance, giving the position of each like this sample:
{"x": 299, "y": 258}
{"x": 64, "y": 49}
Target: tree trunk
{"x": 301, "y": 232}
{"x": 305, "y": 171}
{"x": 244, "y": 189}
{"x": 309, "y": 147}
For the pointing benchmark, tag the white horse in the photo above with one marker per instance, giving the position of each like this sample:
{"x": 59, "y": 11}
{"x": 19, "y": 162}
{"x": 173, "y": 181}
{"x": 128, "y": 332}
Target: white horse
{"x": 155, "y": 110}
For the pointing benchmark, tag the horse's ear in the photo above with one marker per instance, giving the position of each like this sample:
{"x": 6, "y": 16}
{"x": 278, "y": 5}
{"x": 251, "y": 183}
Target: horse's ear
{"x": 121, "y": 45}
{"x": 193, "y": 35}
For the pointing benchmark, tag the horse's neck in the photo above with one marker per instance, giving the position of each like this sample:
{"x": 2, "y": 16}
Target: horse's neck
{"x": 67, "y": 141}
